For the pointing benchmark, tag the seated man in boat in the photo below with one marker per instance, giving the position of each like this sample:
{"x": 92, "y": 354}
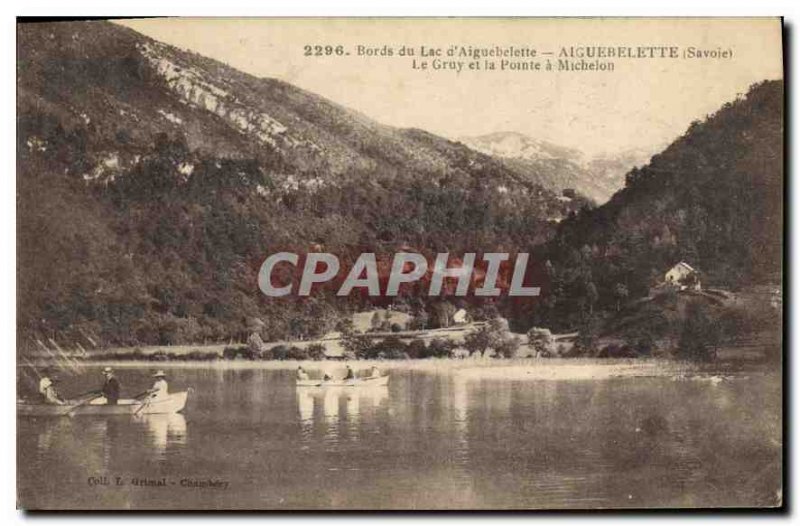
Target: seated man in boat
{"x": 349, "y": 375}
{"x": 48, "y": 391}
{"x": 301, "y": 373}
{"x": 160, "y": 387}
{"x": 111, "y": 387}
{"x": 374, "y": 372}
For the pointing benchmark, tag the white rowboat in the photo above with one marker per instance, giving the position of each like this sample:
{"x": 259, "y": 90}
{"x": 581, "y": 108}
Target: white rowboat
{"x": 172, "y": 403}
{"x": 356, "y": 382}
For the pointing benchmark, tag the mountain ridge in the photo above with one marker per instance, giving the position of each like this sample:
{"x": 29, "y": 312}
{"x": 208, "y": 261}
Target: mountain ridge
{"x": 560, "y": 167}
{"x": 160, "y": 179}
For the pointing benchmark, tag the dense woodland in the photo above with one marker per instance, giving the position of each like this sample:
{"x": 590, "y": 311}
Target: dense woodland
{"x": 135, "y": 230}
{"x": 713, "y": 198}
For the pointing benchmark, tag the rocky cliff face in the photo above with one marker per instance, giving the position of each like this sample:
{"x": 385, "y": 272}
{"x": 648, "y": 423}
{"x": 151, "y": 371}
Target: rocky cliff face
{"x": 189, "y": 85}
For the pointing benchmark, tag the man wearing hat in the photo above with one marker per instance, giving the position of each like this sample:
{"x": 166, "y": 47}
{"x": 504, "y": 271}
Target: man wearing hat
{"x": 111, "y": 387}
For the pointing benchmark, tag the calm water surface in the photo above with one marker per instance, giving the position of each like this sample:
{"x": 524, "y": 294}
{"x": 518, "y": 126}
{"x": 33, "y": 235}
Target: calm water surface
{"x": 428, "y": 440}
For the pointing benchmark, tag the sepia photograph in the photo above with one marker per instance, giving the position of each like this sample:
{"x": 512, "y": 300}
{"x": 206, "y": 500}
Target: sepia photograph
{"x": 368, "y": 264}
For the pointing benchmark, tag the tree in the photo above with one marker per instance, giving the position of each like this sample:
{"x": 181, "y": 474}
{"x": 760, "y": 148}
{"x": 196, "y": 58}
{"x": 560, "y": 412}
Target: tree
{"x": 487, "y": 311}
{"x": 620, "y": 294}
{"x": 316, "y": 351}
{"x": 255, "y": 344}
{"x": 297, "y": 353}
{"x": 591, "y": 296}
{"x": 494, "y": 335}
{"x": 699, "y": 335}
{"x": 440, "y": 348}
{"x": 441, "y": 313}
{"x": 499, "y": 326}
{"x": 357, "y": 346}
{"x": 542, "y": 341}
{"x": 652, "y": 324}
{"x": 279, "y": 352}
{"x": 392, "y": 348}
{"x": 507, "y": 347}
{"x": 417, "y": 349}
{"x": 479, "y": 341}
{"x": 345, "y": 326}
{"x": 419, "y": 321}
{"x": 586, "y": 342}
{"x": 375, "y": 322}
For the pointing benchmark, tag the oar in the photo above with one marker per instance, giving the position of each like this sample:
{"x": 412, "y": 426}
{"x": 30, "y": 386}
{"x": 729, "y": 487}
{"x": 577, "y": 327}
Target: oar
{"x": 83, "y": 402}
{"x": 146, "y": 403}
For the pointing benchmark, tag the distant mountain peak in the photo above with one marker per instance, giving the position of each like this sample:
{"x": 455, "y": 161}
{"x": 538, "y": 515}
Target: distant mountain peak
{"x": 559, "y": 167}
{"x": 513, "y": 144}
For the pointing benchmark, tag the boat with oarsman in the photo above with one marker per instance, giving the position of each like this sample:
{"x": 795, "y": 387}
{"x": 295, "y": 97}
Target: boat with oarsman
{"x": 353, "y": 382}
{"x": 171, "y": 403}
{"x": 105, "y": 401}
{"x": 375, "y": 379}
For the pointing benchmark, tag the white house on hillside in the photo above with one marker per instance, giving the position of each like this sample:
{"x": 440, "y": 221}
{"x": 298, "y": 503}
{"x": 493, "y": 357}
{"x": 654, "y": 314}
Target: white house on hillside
{"x": 684, "y": 276}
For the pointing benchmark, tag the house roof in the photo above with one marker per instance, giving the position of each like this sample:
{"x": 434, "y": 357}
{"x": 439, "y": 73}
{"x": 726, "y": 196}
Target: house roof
{"x": 684, "y": 264}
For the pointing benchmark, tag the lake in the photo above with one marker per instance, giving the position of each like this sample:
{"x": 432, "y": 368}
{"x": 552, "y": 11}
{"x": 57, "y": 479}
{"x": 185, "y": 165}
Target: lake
{"x": 249, "y": 439}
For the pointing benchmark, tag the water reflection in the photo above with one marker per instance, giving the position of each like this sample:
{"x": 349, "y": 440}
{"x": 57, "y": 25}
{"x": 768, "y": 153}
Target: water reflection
{"x": 323, "y": 406}
{"x": 440, "y": 440}
{"x": 50, "y": 430}
{"x": 352, "y": 408}
{"x": 460, "y": 400}
{"x": 101, "y": 436}
{"x": 164, "y": 430}
{"x": 373, "y": 397}
{"x": 305, "y": 405}
{"x": 460, "y": 415}
{"x": 330, "y": 404}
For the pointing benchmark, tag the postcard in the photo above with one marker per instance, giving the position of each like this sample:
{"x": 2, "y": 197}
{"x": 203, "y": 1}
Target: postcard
{"x": 400, "y": 264}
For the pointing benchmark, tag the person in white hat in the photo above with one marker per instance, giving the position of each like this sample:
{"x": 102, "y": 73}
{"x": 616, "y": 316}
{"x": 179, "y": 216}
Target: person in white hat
{"x": 160, "y": 387}
{"x": 47, "y": 389}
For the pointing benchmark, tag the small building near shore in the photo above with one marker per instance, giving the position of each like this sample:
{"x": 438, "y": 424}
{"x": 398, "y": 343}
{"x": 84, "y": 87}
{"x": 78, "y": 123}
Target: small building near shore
{"x": 683, "y": 276}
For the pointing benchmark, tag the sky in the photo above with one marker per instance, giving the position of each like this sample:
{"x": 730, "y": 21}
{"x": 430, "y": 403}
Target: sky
{"x": 642, "y": 104}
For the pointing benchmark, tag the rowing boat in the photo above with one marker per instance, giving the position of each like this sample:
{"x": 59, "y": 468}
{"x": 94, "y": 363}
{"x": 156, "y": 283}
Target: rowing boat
{"x": 375, "y": 381}
{"x": 172, "y": 403}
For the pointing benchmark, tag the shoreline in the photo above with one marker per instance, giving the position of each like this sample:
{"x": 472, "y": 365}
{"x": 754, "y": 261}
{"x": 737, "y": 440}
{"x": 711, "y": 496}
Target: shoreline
{"x": 514, "y": 369}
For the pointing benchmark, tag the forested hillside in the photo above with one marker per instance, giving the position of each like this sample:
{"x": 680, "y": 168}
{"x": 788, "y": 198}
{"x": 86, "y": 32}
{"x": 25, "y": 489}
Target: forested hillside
{"x": 713, "y": 198}
{"x": 153, "y": 182}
